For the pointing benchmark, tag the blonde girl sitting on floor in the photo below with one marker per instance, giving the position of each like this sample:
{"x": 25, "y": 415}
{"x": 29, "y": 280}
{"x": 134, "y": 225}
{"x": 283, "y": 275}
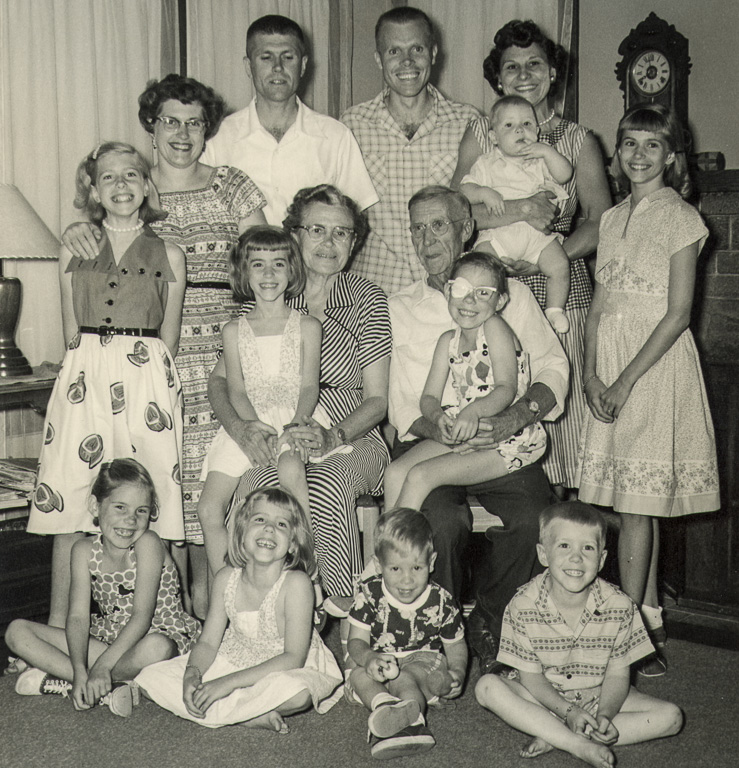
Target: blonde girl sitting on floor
{"x": 259, "y": 657}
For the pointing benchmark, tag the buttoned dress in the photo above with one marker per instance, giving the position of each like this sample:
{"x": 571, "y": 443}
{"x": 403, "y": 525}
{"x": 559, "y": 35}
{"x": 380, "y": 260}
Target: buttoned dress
{"x": 116, "y": 396}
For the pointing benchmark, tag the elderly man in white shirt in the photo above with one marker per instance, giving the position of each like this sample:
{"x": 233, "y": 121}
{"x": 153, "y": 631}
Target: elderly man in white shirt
{"x": 419, "y": 315}
{"x": 277, "y": 141}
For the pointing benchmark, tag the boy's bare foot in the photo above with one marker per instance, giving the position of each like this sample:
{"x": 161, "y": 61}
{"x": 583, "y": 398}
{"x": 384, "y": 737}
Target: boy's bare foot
{"x": 536, "y": 747}
{"x": 597, "y": 755}
{"x": 270, "y": 721}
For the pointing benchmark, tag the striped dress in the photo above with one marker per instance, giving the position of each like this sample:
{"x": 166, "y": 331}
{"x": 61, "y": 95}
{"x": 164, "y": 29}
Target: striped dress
{"x": 204, "y": 223}
{"x": 356, "y": 334}
{"x": 560, "y": 462}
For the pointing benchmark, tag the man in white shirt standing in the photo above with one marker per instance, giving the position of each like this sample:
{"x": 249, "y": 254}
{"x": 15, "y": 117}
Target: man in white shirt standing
{"x": 440, "y": 226}
{"x": 281, "y": 144}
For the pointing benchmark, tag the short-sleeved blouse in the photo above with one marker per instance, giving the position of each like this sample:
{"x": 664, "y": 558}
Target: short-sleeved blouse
{"x": 204, "y": 222}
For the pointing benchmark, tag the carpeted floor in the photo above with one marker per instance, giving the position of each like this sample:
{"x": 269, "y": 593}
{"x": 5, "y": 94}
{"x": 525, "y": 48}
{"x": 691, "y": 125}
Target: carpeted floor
{"x": 46, "y": 731}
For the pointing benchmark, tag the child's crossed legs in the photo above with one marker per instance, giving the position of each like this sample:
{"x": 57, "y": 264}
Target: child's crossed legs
{"x": 641, "y": 718}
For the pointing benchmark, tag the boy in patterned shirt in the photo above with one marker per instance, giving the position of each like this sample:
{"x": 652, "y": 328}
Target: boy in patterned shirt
{"x": 406, "y": 637}
{"x": 571, "y": 638}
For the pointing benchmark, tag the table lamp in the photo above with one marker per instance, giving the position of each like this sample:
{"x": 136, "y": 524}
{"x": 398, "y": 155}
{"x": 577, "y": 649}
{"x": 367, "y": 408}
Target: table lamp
{"x": 23, "y": 235}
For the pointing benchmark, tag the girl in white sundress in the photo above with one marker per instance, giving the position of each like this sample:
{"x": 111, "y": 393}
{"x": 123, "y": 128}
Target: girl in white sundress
{"x": 270, "y": 661}
{"x": 272, "y": 355}
{"x": 489, "y": 372}
{"x": 647, "y": 446}
{"x": 118, "y": 394}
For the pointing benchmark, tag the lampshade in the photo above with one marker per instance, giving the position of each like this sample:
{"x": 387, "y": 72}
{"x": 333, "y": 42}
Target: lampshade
{"x": 23, "y": 235}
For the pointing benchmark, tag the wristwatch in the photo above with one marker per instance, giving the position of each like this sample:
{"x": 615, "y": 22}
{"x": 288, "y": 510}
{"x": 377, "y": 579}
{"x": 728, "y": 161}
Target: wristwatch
{"x": 533, "y": 406}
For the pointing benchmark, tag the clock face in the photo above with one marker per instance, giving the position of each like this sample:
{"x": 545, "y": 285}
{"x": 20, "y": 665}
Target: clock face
{"x": 650, "y": 73}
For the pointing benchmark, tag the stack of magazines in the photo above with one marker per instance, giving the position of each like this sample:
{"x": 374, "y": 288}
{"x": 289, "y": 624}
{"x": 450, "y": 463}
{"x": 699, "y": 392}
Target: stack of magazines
{"x": 17, "y": 479}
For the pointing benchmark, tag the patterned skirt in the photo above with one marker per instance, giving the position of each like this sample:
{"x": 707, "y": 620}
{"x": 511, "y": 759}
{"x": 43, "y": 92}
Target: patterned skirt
{"x": 115, "y": 397}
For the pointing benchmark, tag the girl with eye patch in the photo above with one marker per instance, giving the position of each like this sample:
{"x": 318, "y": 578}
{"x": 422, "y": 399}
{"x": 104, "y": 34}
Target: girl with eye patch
{"x": 128, "y": 572}
{"x": 489, "y": 372}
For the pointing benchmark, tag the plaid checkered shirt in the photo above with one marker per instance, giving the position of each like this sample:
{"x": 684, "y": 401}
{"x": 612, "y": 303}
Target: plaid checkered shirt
{"x": 399, "y": 167}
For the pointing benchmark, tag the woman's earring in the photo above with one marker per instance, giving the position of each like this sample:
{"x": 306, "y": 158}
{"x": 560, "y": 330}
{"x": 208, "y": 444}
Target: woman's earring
{"x": 153, "y": 142}
{"x": 96, "y": 521}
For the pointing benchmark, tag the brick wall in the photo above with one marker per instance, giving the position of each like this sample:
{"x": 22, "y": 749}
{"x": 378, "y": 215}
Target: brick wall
{"x": 716, "y": 308}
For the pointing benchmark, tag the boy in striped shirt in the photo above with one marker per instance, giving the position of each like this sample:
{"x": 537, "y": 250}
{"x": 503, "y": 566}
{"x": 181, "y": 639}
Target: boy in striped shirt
{"x": 570, "y": 638}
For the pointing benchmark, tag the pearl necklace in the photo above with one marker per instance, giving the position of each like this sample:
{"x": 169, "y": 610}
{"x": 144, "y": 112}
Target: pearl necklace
{"x": 139, "y": 225}
{"x": 548, "y": 120}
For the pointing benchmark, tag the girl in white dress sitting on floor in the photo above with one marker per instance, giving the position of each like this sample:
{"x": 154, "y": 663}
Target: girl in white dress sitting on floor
{"x": 272, "y": 355}
{"x": 259, "y": 657}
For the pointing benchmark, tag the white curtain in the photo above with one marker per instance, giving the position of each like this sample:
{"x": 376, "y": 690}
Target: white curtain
{"x": 216, "y": 45}
{"x": 467, "y": 29}
{"x": 70, "y": 74}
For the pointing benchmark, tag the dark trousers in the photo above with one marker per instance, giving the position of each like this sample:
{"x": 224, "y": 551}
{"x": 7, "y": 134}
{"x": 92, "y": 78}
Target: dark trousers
{"x": 509, "y": 559}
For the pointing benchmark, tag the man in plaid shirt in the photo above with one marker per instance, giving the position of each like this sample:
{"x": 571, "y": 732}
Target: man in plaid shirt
{"x": 409, "y": 135}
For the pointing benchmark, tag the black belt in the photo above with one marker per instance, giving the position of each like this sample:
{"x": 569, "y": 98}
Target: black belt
{"x": 209, "y": 284}
{"x": 106, "y": 330}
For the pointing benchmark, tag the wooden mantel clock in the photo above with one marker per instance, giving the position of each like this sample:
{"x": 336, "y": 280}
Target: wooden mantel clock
{"x": 654, "y": 67}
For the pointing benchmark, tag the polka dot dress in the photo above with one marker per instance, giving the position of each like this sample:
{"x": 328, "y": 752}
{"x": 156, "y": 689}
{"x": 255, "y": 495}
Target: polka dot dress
{"x": 113, "y": 593}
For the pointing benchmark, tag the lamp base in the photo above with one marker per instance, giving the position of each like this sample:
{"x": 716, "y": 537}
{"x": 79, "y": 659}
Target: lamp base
{"x": 12, "y": 362}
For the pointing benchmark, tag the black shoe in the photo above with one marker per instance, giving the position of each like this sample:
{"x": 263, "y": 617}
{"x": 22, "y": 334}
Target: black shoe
{"x": 484, "y": 644}
{"x": 409, "y": 741}
{"x": 654, "y": 665}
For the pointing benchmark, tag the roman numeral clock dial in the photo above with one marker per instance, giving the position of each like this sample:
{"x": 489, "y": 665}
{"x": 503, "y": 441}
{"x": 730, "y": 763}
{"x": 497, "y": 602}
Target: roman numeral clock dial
{"x": 654, "y": 66}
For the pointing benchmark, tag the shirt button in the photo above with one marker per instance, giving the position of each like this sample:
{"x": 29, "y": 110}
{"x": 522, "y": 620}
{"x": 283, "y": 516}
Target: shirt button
{"x": 124, "y": 271}
{"x": 569, "y": 677}
{"x": 109, "y": 302}
{"x": 108, "y": 320}
{"x": 113, "y": 285}
{"x": 141, "y": 270}
{"x": 158, "y": 273}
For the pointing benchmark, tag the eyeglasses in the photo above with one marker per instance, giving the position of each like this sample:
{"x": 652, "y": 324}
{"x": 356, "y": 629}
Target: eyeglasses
{"x": 461, "y": 288}
{"x": 317, "y": 232}
{"x": 173, "y": 125}
{"x": 439, "y": 227}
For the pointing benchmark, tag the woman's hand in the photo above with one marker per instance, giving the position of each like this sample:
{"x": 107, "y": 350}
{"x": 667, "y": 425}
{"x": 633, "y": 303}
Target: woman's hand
{"x": 253, "y": 437}
{"x": 594, "y": 390}
{"x": 83, "y": 239}
{"x": 316, "y": 439}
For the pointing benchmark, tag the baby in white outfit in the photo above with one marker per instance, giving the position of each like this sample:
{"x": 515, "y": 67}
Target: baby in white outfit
{"x": 520, "y": 166}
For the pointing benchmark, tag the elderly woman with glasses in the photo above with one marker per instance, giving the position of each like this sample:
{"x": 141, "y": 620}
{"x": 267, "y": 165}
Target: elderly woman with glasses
{"x": 208, "y": 208}
{"x": 355, "y": 361}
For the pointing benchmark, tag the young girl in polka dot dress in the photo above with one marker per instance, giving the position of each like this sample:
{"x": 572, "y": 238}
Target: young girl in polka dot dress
{"x": 127, "y": 570}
